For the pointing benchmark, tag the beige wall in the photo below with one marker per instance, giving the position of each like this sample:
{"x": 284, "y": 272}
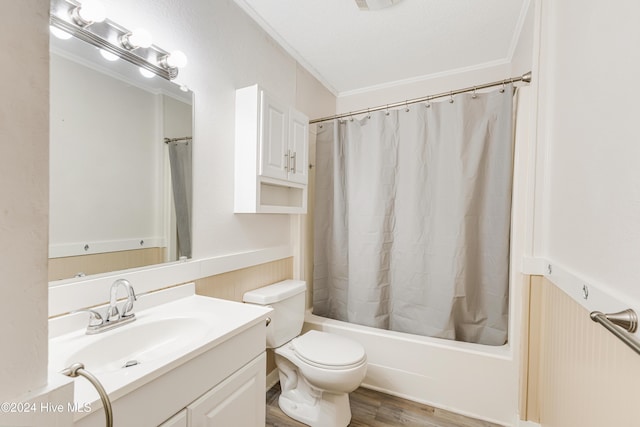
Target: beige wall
{"x": 24, "y": 195}
{"x": 580, "y": 375}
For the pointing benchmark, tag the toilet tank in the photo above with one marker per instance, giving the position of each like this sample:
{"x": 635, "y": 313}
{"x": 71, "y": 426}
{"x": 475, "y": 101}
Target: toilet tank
{"x": 287, "y": 299}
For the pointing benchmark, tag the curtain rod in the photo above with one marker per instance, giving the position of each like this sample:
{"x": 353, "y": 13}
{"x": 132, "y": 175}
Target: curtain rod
{"x": 526, "y": 78}
{"x": 184, "y": 138}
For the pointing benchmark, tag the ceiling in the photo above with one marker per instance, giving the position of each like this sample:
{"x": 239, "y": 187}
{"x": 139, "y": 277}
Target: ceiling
{"x": 350, "y": 50}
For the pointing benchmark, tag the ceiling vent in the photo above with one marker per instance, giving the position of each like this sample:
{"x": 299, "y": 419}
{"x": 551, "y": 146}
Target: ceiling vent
{"x": 375, "y": 4}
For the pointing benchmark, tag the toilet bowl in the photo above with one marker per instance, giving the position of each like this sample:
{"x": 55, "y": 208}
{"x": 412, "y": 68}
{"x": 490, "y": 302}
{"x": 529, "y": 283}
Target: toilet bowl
{"x": 317, "y": 370}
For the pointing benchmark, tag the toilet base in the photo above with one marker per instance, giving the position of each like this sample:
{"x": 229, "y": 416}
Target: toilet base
{"x": 331, "y": 410}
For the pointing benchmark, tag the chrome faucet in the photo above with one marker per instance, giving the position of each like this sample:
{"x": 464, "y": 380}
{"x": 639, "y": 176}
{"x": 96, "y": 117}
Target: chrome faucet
{"x": 112, "y": 313}
{"x": 114, "y": 317}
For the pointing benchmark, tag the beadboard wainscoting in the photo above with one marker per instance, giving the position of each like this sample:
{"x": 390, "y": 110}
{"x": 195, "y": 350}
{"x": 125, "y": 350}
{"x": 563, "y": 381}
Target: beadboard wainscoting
{"x": 234, "y": 284}
{"x": 70, "y": 266}
{"x": 586, "y": 377}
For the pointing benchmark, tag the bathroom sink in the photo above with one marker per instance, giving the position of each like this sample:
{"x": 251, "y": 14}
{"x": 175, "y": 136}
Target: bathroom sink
{"x": 156, "y": 365}
{"x": 137, "y": 343}
{"x": 165, "y": 336}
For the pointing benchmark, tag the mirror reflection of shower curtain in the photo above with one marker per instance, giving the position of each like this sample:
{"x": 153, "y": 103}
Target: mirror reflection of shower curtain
{"x": 413, "y": 218}
{"x": 180, "y": 160}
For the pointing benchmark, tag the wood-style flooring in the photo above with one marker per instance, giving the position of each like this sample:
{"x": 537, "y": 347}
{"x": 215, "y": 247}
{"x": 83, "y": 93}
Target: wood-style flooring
{"x": 374, "y": 409}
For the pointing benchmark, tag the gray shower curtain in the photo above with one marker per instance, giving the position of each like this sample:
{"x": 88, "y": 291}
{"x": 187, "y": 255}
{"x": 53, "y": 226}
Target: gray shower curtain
{"x": 180, "y": 161}
{"x": 412, "y": 218}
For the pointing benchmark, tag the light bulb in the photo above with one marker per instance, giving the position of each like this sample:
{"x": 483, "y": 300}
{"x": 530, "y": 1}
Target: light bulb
{"x": 146, "y": 73}
{"x": 89, "y": 11}
{"x": 136, "y": 38}
{"x": 108, "y": 55}
{"x": 177, "y": 58}
{"x": 61, "y": 34}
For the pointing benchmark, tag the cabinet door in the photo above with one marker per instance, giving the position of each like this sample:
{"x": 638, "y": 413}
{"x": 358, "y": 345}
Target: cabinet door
{"x": 178, "y": 420}
{"x": 274, "y": 154}
{"x": 299, "y": 147}
{"x": 237, "y": 401}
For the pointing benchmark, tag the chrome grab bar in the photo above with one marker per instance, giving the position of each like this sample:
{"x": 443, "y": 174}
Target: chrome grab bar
{"x": 78, "y": 369}
{"x": 620, "y": 324}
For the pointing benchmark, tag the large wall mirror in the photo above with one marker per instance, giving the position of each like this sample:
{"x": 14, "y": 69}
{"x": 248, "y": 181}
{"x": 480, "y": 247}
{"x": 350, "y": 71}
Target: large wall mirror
{"x": 120, "y": 165}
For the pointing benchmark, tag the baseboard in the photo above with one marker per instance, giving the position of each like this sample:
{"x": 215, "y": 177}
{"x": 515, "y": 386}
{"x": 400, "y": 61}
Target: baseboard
{"x": 528, "y": 424}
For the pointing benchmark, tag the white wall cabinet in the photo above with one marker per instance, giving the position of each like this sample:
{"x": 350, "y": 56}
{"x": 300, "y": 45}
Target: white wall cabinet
{"x": 271, "y": 155}
{"x": 298, "y": 146}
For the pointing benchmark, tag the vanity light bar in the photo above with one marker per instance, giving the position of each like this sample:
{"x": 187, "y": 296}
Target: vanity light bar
{"x": 105, "y": 34}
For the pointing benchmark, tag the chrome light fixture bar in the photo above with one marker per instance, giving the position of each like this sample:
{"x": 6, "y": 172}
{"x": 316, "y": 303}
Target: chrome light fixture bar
{"x": 111, "y": 37}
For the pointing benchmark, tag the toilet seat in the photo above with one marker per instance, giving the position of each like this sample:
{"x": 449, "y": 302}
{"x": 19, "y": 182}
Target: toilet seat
{"x": 328, "y": 351}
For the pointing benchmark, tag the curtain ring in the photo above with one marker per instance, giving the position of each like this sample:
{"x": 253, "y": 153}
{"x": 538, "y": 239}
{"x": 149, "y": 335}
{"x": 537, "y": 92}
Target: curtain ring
{"x": 503, "y": 87}
{"x": 406, "y": 106}
{"x": 351, "y": 116}
{"x": 428, "y": 102}
{"x": 475, "y": 95}
{"x": 368, "y": 114}
{"x": 451, "y": 97}
{"x": 386, "y": 113}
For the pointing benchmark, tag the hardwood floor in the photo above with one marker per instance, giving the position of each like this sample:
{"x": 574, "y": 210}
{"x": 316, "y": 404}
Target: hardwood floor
{"x": 374, "y": 409}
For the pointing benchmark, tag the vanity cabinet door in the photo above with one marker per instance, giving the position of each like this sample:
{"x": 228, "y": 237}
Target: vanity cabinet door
{"x": 237, "y": 401}
{"x": 178, "y": 420}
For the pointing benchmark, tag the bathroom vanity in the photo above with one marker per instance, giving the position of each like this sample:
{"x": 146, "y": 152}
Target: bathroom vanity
{"x": 190, "y": 361}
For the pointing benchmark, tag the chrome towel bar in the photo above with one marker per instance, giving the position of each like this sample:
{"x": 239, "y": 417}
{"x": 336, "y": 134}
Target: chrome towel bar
{"x": 621, "y": 324}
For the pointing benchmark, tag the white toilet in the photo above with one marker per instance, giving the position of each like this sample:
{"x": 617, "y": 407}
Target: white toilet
{"x": 317, "y": 370}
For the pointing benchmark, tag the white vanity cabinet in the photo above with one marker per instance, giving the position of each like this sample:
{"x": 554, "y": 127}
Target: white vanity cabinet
{"x": 178, "y": 420}
{"x": 271, "y": 154}
{"x": 220, "y": 383}
{"x": 237, "y": 401}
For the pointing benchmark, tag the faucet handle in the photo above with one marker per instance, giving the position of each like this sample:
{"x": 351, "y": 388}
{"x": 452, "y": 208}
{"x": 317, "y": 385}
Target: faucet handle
{"x": 95, "y": 318}
{"x": 128, "y": 304}
{"x": 112, "y": 313}
{"x": 127, "y": 307}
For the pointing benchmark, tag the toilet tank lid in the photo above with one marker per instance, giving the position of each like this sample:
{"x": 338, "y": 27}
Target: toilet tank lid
{"x": 276, "y": 292}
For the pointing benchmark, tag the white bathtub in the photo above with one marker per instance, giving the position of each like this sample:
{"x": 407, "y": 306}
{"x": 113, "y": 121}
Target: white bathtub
{"x": 475, "y": 380}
